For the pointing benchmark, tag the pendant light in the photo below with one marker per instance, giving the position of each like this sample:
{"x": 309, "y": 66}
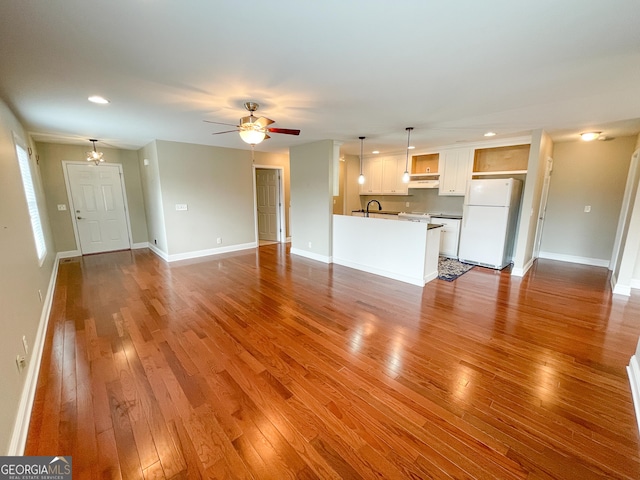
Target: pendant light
{"x": 361, "y": 177}
{"x": 406, "y": 177}
{"x": 93, "y": 155}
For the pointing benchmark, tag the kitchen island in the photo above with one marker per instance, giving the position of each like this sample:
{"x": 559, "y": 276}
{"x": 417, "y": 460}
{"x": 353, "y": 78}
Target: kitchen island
{"x": 404, "y": 251}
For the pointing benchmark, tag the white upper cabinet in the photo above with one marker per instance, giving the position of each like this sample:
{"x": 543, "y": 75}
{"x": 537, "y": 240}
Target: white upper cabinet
{"x": 372, "y": 171}
{"x": 392, "y": 171}
{"x": 383, "y": 175}
{"x": 455, "y": 170}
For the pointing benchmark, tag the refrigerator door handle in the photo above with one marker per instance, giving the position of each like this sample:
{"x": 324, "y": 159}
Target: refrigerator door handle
{"x": 464, "y": 215}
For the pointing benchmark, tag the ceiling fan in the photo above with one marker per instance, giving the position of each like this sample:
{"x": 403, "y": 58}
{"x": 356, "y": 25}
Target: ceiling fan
{"x": 252, "y": 129}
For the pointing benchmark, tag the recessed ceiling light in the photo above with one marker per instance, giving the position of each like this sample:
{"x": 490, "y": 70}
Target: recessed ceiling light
{"x": 490, "y": 134}
{"x": 375, "y": 152}
{"x": 588, "y": 136}
{"x": 410, "y": 147}
{"x": 98, "y": 99}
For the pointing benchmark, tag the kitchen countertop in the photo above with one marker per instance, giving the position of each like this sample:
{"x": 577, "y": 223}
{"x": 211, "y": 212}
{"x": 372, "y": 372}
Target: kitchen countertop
{"x": 446, "y": 215}
{"x": 383, "y": 212}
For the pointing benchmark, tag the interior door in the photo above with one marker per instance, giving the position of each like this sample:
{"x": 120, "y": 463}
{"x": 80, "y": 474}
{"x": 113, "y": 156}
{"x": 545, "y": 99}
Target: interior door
{"x": 268, "y": 204}
{"x": 98, "y": 205}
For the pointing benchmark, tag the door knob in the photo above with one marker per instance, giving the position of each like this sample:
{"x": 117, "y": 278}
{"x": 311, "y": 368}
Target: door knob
{"x": 80, "y": 218}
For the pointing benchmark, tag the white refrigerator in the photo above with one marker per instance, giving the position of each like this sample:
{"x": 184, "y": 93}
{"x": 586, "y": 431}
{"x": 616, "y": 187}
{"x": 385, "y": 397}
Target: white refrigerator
{"x": 489, "y": 221}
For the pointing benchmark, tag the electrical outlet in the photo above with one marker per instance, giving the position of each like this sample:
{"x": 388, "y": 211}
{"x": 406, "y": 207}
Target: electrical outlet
{"x": 219, "y": 240}
{"x": 309, "y": 244}
{"x": 25, "y": 344}
{"x": 155, "y": 241}
{"x": 62, "y": 207}
{"x": 587, "y": 208}
{"x": 181, "y": 207}
{"x": 21, "y": 362}
{"x": 406, "y": 204}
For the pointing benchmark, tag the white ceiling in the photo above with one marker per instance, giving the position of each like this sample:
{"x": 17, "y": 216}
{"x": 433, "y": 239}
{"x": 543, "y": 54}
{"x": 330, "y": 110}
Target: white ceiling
{"x": 452, "y": 69}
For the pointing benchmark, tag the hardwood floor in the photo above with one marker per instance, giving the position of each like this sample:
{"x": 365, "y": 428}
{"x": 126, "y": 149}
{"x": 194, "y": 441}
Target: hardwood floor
{"x": 263, "y": 365}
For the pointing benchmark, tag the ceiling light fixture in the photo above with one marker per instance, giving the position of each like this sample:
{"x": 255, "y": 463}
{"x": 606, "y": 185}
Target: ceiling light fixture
{"x": 93, "y": 155}
{"x": 98, "y": 99}
{"x": 361, "y": 177}
{"x": 251, "y": 134}
{"x": 376, "y": 152}
{"x": 588, "y": 136}
{"x": 490, "y": 134}
{"x": 405, "y": 176}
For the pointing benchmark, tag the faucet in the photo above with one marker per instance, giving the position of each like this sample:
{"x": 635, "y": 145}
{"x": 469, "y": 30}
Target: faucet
{"x": 369, "y": 203}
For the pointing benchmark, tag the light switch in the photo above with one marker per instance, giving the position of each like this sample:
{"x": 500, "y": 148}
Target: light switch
{"x": 587, "y": 208}
{"x": 181, "y": 207}
{"x": 62, "y": 207}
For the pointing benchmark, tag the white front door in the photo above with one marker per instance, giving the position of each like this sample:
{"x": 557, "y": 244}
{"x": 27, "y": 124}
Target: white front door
{"x": 98, "y": 207}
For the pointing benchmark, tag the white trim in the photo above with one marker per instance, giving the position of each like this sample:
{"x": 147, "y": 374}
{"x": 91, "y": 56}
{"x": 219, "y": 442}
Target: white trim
{"x": 311, "y": 255}
{"x": 633, "y": 370}
{"x": 521, "y": 272}
{"x": 23, "y": 418}
{"x": 210, "y": 251}
{"x": 69, "y": 254}
{"x": 159, "y": 252}
{"x": 635, "y": 283}
{"x": 418, "y": 281}
{"x": 617, "y": 288}
{"x": 596, "y": 262}
{"x": 137, "y": 246}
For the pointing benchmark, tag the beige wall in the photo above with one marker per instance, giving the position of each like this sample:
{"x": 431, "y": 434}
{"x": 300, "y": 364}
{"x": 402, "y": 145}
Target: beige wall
{"x": 21, "y": 276}
{"x": 311, "y": 198}
{"x": 51, "y": 157}
{"x": 217, "y": 186}
{"x": 152, "y": 194}
{"x": 586, "y": 173}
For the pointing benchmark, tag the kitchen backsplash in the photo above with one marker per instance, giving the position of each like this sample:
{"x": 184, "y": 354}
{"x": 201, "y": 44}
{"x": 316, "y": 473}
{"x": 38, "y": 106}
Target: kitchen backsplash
{"x": 421, "y": 200}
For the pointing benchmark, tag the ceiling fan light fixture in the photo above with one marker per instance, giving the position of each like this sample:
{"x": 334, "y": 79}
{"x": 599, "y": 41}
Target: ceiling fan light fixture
{"x": 252, "y": 136}
{"x": 93, "y": 155}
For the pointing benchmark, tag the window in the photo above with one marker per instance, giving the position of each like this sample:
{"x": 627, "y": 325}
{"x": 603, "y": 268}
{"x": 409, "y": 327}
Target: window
{"x": 32, "y": 203}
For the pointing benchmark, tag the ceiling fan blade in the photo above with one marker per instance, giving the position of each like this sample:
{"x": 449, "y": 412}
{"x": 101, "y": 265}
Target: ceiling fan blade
{"x": 226, "y": 131}
{"x": 264, "y": 121}
{"x": 286, "y": 131}
{"x": 221, "y": 123}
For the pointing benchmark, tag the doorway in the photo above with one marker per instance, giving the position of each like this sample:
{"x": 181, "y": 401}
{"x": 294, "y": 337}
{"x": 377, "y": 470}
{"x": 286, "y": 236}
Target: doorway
{"x": 543, "y": 206}
{"x": 269, "y": 205}
{"x": 97, "y": 202}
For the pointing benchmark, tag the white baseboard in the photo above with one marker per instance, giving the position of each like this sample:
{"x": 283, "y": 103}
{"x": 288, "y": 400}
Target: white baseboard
{"x": 635, "y": 283}
{"x": 420, "y": 281}
{"x": 211, "y": 251}
{"x": 633, "y": 370}
{"x": 68, "y": 254}
{"x": 158, "y": 252}
{"x": 23, "y": 418}
{"x": 137, "y": 246}
{"x": 311, "y": 255}
{"x": 520, "y": 272}
{"x": 596, "y": 262}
